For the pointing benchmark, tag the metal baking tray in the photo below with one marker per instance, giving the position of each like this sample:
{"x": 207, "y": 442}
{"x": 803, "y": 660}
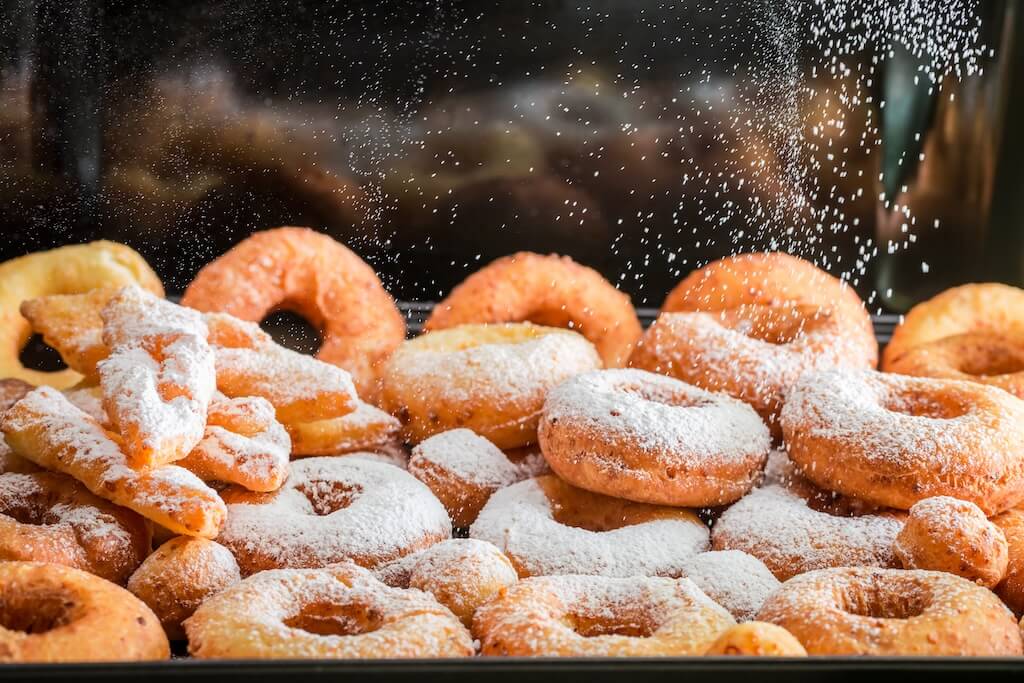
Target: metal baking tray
{"x": 519, "y": 670}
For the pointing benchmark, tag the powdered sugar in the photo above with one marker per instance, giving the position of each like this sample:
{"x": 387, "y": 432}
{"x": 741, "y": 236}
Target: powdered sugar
{"x": 519, "y": 520}
{"x": 735, "y": 580}
{"x": 472, "y": 458}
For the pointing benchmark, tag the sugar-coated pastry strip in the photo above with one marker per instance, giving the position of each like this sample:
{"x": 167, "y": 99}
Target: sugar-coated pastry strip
{"x": 244, "y": 445}
{"x": 301, "y": 388}
{"x": 47, "y": 429}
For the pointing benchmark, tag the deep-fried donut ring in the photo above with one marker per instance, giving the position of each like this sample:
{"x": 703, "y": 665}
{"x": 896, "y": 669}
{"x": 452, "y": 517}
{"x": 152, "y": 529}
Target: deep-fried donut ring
{"x": 547, "y": 290}
{"x": 322, "y": 280}
{"x": 971, "y": 357}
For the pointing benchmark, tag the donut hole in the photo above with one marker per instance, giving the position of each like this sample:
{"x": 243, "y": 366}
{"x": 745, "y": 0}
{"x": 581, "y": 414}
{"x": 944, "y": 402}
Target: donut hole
{"x": 35, "y": 610}
{"x": 660, "y": 394}
{"x": 878, "y": 603}
{"x": 330, "y": 619}
{"x": 625, "y": 623}
{"x": 326, "y": 497}
{"x": 293, "y": 331}
{"x": 38, "y": 355}
{"x": 993, "y": 364}
{"x": 772, "y": 325}
{"x": 921, "y": 405}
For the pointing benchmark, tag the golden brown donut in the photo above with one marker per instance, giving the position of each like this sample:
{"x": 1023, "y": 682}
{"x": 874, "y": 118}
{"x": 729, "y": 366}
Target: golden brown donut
{"x": 488, "y": 378}
{"x": 1011, "y": 590}
{"x": 770, "y": 279}
{"x": 599, "y": 616}
{"x": 756, "y": 639}
{"x": 944, "y": 534}
{"x": 892, "y": 440}
{"x": 753, "y": 352}
{"x": 867, "y": 611}
{"x": 340, "y": 612}
{"x": 972, "y": 357}
{"x": 301, "y": 270}
{"x": 53, "y": 613}
{"x": 47, "y": 517}
{"x": 179, "y": 576}
{"x": 463, "y": 470}
{"x": 547, "y": 290}
{"x": 652, "y": 439}
{"x": 990, "y": 309}
{"x": 364, "y": 429}
{"x": 462, "y": 573}
{"x": 67, "y": 270}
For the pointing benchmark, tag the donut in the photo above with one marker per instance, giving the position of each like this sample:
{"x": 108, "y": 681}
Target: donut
{"x": 599, "y": 616}
{"x": 652, "y": 439}
{"x": 491, "y": 379}
{"x": 971, "y": 357}
{"x": 871, "y": 611}
{"x": 51, "y": 613}
{"x": 340, "y": 612}
{"x": 756, "y": 639}
{"x": 1011, "y": 589}
{"x": 735, "y": 580}
{"x": 547, "y": 290}
{"x": 66, "y": 270}
{"x": 754, "y": 352}
{"x": 243, "y": 444}
{"x": 892, "y": 440}
{"x": 329, "y": 510}
{"x": 158, "y": 380}
{"x": 309, "y": 273}
{"x": 179, "y": 576}
{"x": 45, "y": 428}
{"x": 988, "y": 309}
{"x": 772, "y": 279}
{"x": 47, "y": 517}
{"x": 462, "y": 573}
{"x": 11, "y": 391}
{"x": 463, "y": 470}
{"x": 546, "y": 526}
{"x": 944, "y": 534}
{"x": 365, "y": 428}
{"x": 793, "y": 529}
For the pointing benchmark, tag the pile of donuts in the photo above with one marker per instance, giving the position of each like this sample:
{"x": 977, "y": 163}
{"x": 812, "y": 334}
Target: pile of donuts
{"x": 533, "y": 475}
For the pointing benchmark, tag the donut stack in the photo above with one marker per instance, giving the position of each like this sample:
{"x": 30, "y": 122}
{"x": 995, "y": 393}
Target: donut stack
{"x": 534, "y": 475}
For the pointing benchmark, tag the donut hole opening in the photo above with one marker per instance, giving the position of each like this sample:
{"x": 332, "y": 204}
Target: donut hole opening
{"x": 597, "y": 513}
{"x": 330, "y": 619}
{"x": 327, "y": 497}
{"x": 774, "y": 325}
{"x": 293, "y": 331}
{"x": 992, "y": 365}
{"x": 36, "y": 611}
{"x": 878, "y": 603}
{"x": 38, "y": 355}
{"x": 660, "y": 394}
{"x": 918, "y": 405}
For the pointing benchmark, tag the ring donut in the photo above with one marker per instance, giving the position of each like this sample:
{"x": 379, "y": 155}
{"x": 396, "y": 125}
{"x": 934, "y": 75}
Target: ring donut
{"x": 652, "y": 439}
{"x": 547, "y": 290}
{"x": 52, "y": 613}
{"x": 753, "y": 352}
{"x": 546, "y": 526}
{"x": 988, "y": 309}
{"x": 971, "y": 357}
{"x": 892, "y": 440}
{"x": 47, "y": 517}
{"x": 491, "y": 379}
{"x": 329, "y": 510}
{"x": 309, "y": 273}
{"x": 869, "y": 611}
{"x": 340, "y": 612}
{"x": 67, "y": 270}
{"x": 599, "y": 616}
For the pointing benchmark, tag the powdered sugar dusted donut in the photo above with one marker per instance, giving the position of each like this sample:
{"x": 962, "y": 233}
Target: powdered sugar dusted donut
{"x": 735, "y": 580}
{"x": 753, "y": 353}
{"x": 944, "y": 534}
{"x": 463, "y": 470}
{"x": 652, "y": 439}
{"x": 892, "y": 440}
{"x": 488, "y": 378}
{"x": 329, "y": 510}
{"x": 366, "y": 428}
{"x": 462, "y": 573}
{"x": 777, "y": 526}
{"x": 870, "y": 611}
{"x": 340, "y": 612}
{"x": 600, "y": 616}
{"x": 545, "y": 526}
